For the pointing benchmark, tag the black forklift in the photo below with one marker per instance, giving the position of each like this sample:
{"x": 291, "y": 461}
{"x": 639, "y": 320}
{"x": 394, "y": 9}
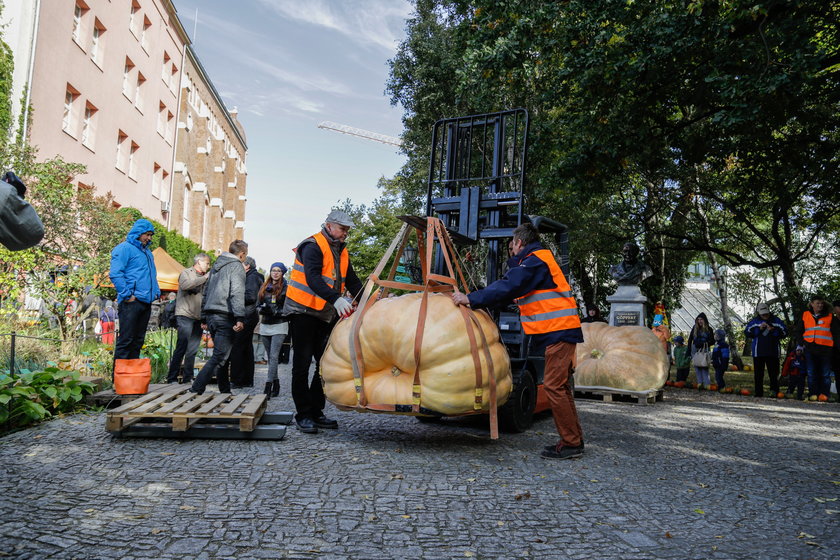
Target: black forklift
{"x": 476, "y": 188}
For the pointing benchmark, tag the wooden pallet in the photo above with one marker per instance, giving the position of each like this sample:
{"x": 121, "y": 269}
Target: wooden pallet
{"x": 183, "y": 409}
{"x": 608, "y": 394}
{"x": 109, "y": 399}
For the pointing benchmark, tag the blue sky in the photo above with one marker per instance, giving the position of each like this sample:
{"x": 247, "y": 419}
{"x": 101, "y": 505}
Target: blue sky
{"x": 288, "y": 65}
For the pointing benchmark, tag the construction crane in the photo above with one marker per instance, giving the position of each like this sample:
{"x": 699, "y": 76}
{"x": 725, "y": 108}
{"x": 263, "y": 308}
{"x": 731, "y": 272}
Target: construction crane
{"x": 375, "y": 136}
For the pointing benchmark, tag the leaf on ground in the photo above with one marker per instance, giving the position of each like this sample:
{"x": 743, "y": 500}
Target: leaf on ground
{"x": 832, "y": 511}
{"x": 397, "y": 477}
{"x": 701, "y": 485}
{"x": 668, "y": 535}
{"x": 824, "y": 500}
{"x": 500, "y": 523}
{"x": 804, "y": 535}
{"x": 406, "y": 516}
{"x": 187, "y": 508}
{"x": 812, "y": 543}
{"x": 167, "y": 453}
{"x": 700, "y": 511}
{"x": 522, "y": 495}
{"x": 469, "y": 554}
{"x": 89, "y": 510}
{"x": 471, "y": 480}
{"x": 157, "y": 530}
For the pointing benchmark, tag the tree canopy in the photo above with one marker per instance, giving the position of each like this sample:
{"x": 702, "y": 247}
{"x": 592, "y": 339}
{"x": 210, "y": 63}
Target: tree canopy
{"x": 693, "y": 126}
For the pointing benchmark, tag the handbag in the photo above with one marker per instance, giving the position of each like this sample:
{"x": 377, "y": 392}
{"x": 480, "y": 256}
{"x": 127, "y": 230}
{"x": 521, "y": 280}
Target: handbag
{"x": 701, "y": 358}
{"x": 97, "y": 329}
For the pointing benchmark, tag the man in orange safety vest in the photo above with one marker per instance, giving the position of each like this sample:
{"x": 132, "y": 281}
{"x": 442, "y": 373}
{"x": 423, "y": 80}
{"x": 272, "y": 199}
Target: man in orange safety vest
{"x": 548, "y": 312}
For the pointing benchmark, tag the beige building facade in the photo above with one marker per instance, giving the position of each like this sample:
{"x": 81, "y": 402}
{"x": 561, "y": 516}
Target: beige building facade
{"x": 109, "y": 82}
{"x": 208, "y": 189}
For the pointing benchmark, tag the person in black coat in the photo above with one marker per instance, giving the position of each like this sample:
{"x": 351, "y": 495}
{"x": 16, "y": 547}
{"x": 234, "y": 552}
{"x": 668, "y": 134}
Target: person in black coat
{"x": 242, "y": 355}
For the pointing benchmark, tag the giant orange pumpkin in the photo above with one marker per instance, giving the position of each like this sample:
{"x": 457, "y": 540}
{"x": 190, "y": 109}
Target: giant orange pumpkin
{"x": 447, "y": 371}
{"x": 628, "y": 358}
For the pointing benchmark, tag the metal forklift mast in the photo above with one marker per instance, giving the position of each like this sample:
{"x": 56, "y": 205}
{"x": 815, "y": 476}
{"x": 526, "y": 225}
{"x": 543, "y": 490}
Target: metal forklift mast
{"x": 477, "y": 178}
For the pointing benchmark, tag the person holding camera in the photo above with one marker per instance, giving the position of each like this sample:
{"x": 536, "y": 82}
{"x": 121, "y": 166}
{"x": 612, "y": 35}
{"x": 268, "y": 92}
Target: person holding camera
{"x": 766, "y": 331}
{"x": 273, "y": 327}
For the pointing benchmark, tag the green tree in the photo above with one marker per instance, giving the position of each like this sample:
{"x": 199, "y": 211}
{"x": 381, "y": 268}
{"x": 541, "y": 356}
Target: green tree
{"x": 72, "y": 261}
{"x": 7, "y": 66}
{"x": 655, "y": 110}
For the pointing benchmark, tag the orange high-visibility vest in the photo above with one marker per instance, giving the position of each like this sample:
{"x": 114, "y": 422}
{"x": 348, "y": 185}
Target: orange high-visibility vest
{"x": 299, "y": 291}
{"x": 817, "y": 331}
{"x": 545, "y": 311}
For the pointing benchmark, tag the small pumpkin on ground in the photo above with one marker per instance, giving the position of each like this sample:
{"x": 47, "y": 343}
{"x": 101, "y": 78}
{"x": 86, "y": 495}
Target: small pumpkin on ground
{"x": 780, "y": 395}
{"x": 823, "y": 398}
{"x": 713, "y": 387}
{"x": 629, "y": 358}
{"x": 745, "y": 392}
{"x": 447, "y": 371}
{"x": 679, "y": 384}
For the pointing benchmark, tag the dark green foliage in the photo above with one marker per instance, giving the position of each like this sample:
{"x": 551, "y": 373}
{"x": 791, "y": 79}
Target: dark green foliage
{"x": 179, "y": 247}
{"x": 32, "y": 396}
{"x": 645, "y": 116}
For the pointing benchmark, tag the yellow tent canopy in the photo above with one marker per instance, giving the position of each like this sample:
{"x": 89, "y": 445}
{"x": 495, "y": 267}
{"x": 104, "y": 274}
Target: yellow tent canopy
{"x": 168, "y": 270}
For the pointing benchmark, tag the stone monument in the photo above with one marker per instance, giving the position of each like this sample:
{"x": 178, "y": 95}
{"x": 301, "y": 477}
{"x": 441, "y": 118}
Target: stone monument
{"x": 627, "y": 304}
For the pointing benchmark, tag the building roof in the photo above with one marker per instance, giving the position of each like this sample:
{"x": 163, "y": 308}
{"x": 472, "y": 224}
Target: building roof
{"x": 700, "y": 299}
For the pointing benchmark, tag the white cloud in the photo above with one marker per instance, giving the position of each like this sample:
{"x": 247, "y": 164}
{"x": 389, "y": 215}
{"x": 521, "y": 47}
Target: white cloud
{"x": 368, "y": 22}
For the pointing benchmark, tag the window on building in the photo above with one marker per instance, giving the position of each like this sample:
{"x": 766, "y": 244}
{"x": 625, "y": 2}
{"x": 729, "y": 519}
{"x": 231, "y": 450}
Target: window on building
{"x": 71, "y": 95}
{"x": 80, "y": 10}
{"x": 161, "y": 121}
{"x": 97, "y": 45}
{"x": 185, "y": 221}
{"x": 128, "y": 70}
{"x": 170, "y": 120}
{"x": 164, "y": 70}
{"x": 145, "y": 33}
{"x": 132, "y": 160}
{"x": 173, "y": 77}
{"x": 138, "y": 92}
{"x": 134, "y": 18}
{"x": 89, "y": 126}
{"x": 122, "y": 151}
{"x": 164, "y": 180}
{"x": 156, "y": 175}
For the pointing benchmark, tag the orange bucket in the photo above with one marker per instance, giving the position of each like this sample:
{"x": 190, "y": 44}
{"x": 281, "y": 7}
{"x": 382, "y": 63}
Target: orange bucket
{"x": 132, "y": 377}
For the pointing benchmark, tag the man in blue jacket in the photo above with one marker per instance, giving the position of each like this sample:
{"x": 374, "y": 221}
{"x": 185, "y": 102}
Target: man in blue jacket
{"x": 134, "y": 276}
{"x": 766, "y": 331}
{"x": 548, "y": 311}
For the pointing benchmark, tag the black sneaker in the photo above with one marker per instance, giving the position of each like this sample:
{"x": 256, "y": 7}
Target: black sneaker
{"x": 553, "y": 447}
{"x": 563, "y": 453}
{"x": 326, "y": 423}
{"x": 307, "y": 426}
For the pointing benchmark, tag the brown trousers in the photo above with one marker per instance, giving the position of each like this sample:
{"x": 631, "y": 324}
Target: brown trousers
{"x": 558, "y": 367}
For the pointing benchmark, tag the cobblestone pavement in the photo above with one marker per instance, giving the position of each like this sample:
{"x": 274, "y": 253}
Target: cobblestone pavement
{"x": 695, "y": 476}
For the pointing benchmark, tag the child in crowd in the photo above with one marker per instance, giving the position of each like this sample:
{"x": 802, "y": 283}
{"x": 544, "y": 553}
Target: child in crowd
{"x": 682, "y": 358}
{"x": 795, "y": 369}
{"x": 720, "y": 357}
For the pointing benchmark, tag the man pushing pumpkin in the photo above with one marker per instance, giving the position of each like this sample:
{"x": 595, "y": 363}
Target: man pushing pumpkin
{"x": 314, "y": 301}
{"x": 548, "y": 312}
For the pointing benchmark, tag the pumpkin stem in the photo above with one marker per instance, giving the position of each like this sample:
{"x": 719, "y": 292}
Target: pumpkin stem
{"x": 597, "y": 354}
{"x": 395, "y": 371}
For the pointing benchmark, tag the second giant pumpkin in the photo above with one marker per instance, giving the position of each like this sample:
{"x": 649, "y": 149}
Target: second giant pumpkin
{"x": 628, "y": 358}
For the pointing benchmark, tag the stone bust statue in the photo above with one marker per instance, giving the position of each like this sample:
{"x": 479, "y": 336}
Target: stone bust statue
{"x": 630, "y": 271}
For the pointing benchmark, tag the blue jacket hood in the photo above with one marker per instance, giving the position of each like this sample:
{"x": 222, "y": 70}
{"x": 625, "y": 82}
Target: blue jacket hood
{"x": 140, "y": 227}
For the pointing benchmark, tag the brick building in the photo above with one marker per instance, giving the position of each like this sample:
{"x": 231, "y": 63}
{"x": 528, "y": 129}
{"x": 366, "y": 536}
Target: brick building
{"x": 108, "y": 81}
{"x": 208, "y": 189}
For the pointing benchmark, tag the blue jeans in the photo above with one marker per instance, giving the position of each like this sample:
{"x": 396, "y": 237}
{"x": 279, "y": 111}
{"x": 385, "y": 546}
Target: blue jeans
{"x": 134, "y": 318}
{"x": 189, "y": 338}
{"x": 819, "y": 373}
{"x": 719, "y": 372}
{"x": 221, "y": 329}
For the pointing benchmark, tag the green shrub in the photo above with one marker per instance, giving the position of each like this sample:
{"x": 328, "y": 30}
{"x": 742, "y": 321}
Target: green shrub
{"x": 34, "y": 396}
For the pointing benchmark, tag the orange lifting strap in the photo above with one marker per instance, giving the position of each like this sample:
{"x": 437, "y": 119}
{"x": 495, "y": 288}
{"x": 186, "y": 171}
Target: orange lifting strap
{"x": 376, "y": 288}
